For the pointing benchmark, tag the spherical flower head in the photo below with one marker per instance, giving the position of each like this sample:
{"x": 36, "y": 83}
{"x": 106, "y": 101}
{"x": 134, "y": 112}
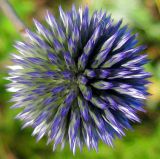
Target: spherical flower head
{"x": 79, "y": 79}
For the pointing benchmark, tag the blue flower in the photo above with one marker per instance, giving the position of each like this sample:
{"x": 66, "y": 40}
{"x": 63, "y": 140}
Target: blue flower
{"x": 79, "y": 79}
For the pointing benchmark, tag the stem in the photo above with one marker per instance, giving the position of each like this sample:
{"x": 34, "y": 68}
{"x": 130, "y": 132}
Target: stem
{"x": 158, "y": 5}
{"x": 11, "y": 14}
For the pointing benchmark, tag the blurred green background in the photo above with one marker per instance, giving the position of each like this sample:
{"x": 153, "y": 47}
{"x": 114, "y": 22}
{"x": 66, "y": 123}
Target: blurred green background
{"x": 143, "y": 16}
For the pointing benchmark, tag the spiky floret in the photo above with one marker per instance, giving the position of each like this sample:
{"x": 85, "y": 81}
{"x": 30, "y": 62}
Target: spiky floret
{"x": 79, "y": 79}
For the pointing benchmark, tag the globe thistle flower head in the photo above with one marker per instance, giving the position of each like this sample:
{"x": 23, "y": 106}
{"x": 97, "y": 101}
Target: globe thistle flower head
{"x": 79, "y": 79}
